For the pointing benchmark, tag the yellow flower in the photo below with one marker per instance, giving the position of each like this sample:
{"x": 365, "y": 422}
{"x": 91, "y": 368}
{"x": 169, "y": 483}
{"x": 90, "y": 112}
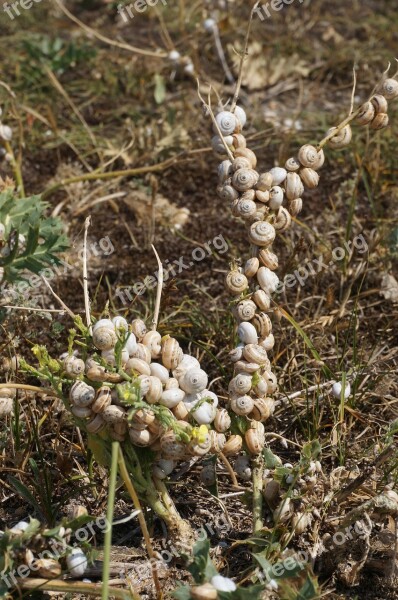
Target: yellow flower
{"x": 200, "y": 433}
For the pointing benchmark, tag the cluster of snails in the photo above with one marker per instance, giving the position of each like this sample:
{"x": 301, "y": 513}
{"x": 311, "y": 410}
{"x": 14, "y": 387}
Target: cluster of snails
{"x": 43, "y": 555}
{"x": 171, "y": 384}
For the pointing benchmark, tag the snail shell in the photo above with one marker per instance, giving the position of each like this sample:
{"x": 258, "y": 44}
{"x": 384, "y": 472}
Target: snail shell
{"x": 76, "y": 562}
{"x": 143, "y": 352}
{"x": 366, "y": 114}
{"x": 240, "y": 114}
{"x": 144, "y": 417}
{"x": 256, "y": 354}
{"x": 171, "y": 398}
{"x": 81, "y": 394}
{"x": 152, "y": 341}
{"x": 263, "y": 409}
{"x": 262, "y": 300}
{"x": 293, "y": 186}
{"x": 262, "y": 196}
{"x": 268, "y": 342}
{"x": 137, "y": 365}
{"x": 74, "y": 366}
{"x": 310, "y": 157}
{"x": 241, "y": 162}
{"x": 390, "y": 88}
{"x": 265, "y": 182}
{"x": 278, "y": 175}
{"x": 262, "y": 324}
{"x": 261, "y": 388}
{"x": 104, "y": 337}
{"x": 242, "y": 467}
{"x": 131, "y": 344}
{"x": 251, "y": 266}
{"x": 193, "y": 380}
{"x": 6, "y": 406}
{"x": 180, "y": 411}
{"x": 240, "y": 384}
{"x": 380, "y": 121}
{"x": 103, "y": 399}
{"x": 236, "y": 282}
{"x": 171, "y": 384}
{"x": 271, "y": 380}
{"x": 380, "y": 103}
{"x": 233, "y": 445}
{"x": 139, "y": 329}
{"x": 292, "y": 164}
{"x": 244, "y": 179}
{"x": 140, "y": 437}
{"x": 239, "y": 140}
{"x": 171, "y": 447}
{"x": 120, "y": 324}
{"x": 155, "y": 390}
{"x": 254, "y": 438}
{"x": 283, "y": 220}
{"x": 309, "y": 177}
{"x": 163, "y": 468}
{"x": 268, "y": 259}
{"x": 267, "y": 279}
{"x": 113, "y": 414}
{"x": 224, "y": 171}
{"x": 341, "y": 139}
{"x": 276, "y": 195}
{"x": 48, "y": 568}
{"x": 218, "y": 145}
{"x": 242, "y": 366}
{"x": 271, "y": 492}
{"x": 81, "y": 412}
{"x": 237, "y": 353}
{"x": 110, "y": 357}
{"x": 159, "y": 371}
{"x": 296, "y": 206}
{"x": 222, "y": 420}
{"x": 171, "y": 353}
{"x": 200, "y": 448}
{"x": 217, "y": 441}
{"x": 226, "y": 122}
{"x": 248, "y": 154}
{"x": 247, "y": 333}
{"x": 188, "y": 362}
{"x": 261, "y": 233}
{"x": 284, "y": 511}
{"x": 227, "y": 192}
{"x": 244, "y": 208}
{"x": 246, "y": 310}
{"x": 205, "y": 409}
{"x": 301, "y": 521}
{"x": 95, "y": 424}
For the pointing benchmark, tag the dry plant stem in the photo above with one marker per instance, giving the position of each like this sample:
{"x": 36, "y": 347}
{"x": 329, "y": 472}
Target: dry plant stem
{"x": 107, "y": 40}
{"x": 85, "y": 276}
{"x": 210, "y": 111}
{"x": 258, "y": 470}
{"x": 91, "y": 589}
{"x": 158, "y": 291}
{"x": 230, "y": 470}
{"x": 242, "y": 60}
{"x": 221, "y": 54}
{"x": 16, "y": 168}
{"x": 62, "y": 303}
{"x": 109, "y": 516}
{"x": 30, "y": 388}
{"x": 137, "y": 505}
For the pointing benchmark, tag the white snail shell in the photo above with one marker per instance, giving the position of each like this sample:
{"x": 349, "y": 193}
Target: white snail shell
{"x": 159, "y": 371}
{"x": 265, "y": 182}
{"x": 140, "y": 437}
{"x": 222, "y": 420}
{"x": 180, "y": 411}
{"x": 251, "y": 266}
{"x": 171, "y": 398}
{"x": 263, "y": 196}
{"x": 261, "y": 388}
{"x": 74, "y": 366}
{"x": 294, "y": 186}
{"x": 224, "y": 171}
{"x": 204, "y": 412}
{"x": 188, "y": 362}
{"x": 226, "y": 122}
{"x": 76, "y": 562}
{"x": 248, "y": 154}
{"x": 261, "y": 233}
{"x": 95, "y": 424}
{"x": 255, "y": 438}
{"x": 110, "y": 358}
{"x": 139, "y": 329}
{"x": 227, "y": 192}
{"x": 239, "y": 141}
{"x": 137, "y": 365}
{"x": 242, "y": 366}
{"x": 104, "y": 336}
{"x": 113, "y": 414}
{"x": 247, "y": 333}
{"x": 120, "y": 324}
{"x": 380, "y": 121}
{"x": 310, "y": 157}
{"x": 262, "y": 300}
{"x": 171, "y": 447}
{"x": 244, "y": 179}
{"x": 262, "y": 324}
{"x": 237, "y": 353}
{"x": 5, "y": 133}
{"x": 171, "y": 384}
{"x": 171, "y": 353}
{"x": 267, "y": 279}
{"x": 271, "y": 380}
{"x": 337, "y": 388}
{"x": 268, "y": 342}
{"x": 283, "y": 220}
{"x": 366, "y": 114}
{"x": 81, "y": 394}
{"x": 341, "y": 139}
{"x": 276, "y": 195}
{"x": 131, "y": 344}
{"x": 155, "y": 390}
{"x": 390, "y": 88}
{"x": 245, "y": 208}
{"x": 166, "y": 466}
{"x": 256, "y": 354}
{"x": 292, "y": 164}
{"x": 142, "y": 352}
{"x": 6, "y": 406}
{"x": 217, "y": 143}
{"x": 309, "y": 177}
{"x": 380, "y": 103}
{"x": 241, "y": 405}
{"x": 278, "y": 175}
{"x": 246, "y": 310}
{"x": 240, "y": 384}
{"x": 241, "y": 162}
{"x": 152, "y": 341}
{"x": 236, "y": 282}
{"x": 240, "y": 114}
{"x": 193, "y": 380}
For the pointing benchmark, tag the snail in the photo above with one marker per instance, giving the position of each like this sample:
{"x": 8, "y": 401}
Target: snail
{"x": 109, "y": 357}
{"x": 137, "y": 366}
{"x": 217, "y": 143}
{"x": 171, "y": 398}
{"x": 237, "y": 353}
{"x": 262, "y": 409}
{"x": 268, "y": 280}
{"x": 142, "y": 352}
{"x": 240, "y": 384}
{"x": 226, "y": 122}
{"x": 292, "y": 164}
{"x": 380, "y": 103}
{"x": 242, "y": 366}
{"x": 193, "y": 380}
{"x": 380, "y": 121}
{"x": 113, "y": 414}
{"x": 310, "y": 157}
{"x": 295, "y": 206}
{"x": 224, "y": 171}
{"x": 247, "y": 333}
{"x": 236, "y": 282}
{"x": 246, "y": 310}
{"x": 284, "y": 511}
{"x": 241, "y": 162}
{"x": 271, "y": 381}
{"x": 131, "y": 344}
{"x": 48, "y": 568}
{"x": 309, "y": 177}
{"x": 81, "y": 394}
{"x": 103, "y": 399}
{"x": 276, "y": 195}
{"x": 256, "y": 354}
{"x": 239, "y": 141}
{"x": 139, "y": 329}
{"x": 95, "y": 424}
{"x": 171, "y": 384}
{"x": 366, "y": 114}
{"x": 278, "y": 175}
{"x": 262, "y": 233}
{"x": 227, "y": 192}
{"x": 222, "y": 420}
{"x": 294, "y": 187}
{"x": 171, "y": 353}
{"x": 120, "y": 324}
{"x": 283, "y": 220}
{"x": 74, "y": 366}
{"x": 205, "y": 409}
{"x": 262, "y": 196}
{"x": 233, "y": 445}
{"x": 104, "y": 335}
{"x": 244, "y": 179}
{"x": 262, "y": 300}
{"x": 265, "y": 182}
{"x": 180, "y": 411}
{"x": 245, "y": 208}
{"x": 242, "y": 405}
{"x": 341, "y": 139}
{"x": 171, "y": 447}
{"x": 251, "y": 267}
{"x": 248, "y": 155}
{"x": 255, "y": 438}
{"x": 163, "y": 468}
{"x": 240, "y": 114}
{"x": 389, "y": 89}
{"x": 268, "y": 259}
{"x": 141, "y": 437}
{"x": 217, "y": 441}
{"x": 159, "y": 371}
{"x": 155, "y": 389}
{"x": 76, "y": 562}
{"x": 268, "y": 342}
{"x": 261, "y": 387}
{"x": 187, "y": 362}
{"x": 242, "y": 467}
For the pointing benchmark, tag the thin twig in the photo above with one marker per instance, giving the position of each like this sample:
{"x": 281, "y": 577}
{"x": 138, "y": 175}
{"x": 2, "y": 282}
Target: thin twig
{"x": 354, "y": 85}
{"x": 85, "y": 276}
{"x": 238, "y": 84}
{"x": 29, "y": 308}
{"x": 109, "y": 517}
{"x": 62, "y": 303}
{"x": 158, "y": 291}
{"x": 230, "y": 470}
{"x": 221, "y": 54}
{"x": 91, "y": 589}
{"x": 30, "y": 388}
{"x": 207, "y": 105}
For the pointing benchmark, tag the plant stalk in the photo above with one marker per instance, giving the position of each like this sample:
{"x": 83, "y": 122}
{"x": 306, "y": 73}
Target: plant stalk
{"x": 257, "y": 476}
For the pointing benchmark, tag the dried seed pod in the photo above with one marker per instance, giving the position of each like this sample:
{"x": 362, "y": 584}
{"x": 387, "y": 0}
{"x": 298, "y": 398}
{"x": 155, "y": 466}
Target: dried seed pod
{"x": 294, "y": 186}
{"x": 242, "y": 467}
{"x": 268, "y": 259}
{"x": 233, "y": 445}
{"x": 283, "y": 220}
{"x": 139, "y": 329}
{"x": 193, "y": 381}
{"x": 102, "y": 400}
{"x": 389, "y": 88}
{"x": 172, "y": 354}
{"x": 245, "y": 310}
{"x": 240, "y": 384}
{"x": 295, "y": 206}
{"x": 247, "y": 333}
{"x": 366, "y": 114}
{"x": 341, "y": 139}
{"x": 256, "y": 354}
{"x": 263, "y": 409}
{"x": 171, "y": 398}
{"x": 222, "y": 420}
{"x": 251, "y": 267}
{"x": 248, "y": 155}
{"x": 81, "y": 394}
{"x": 265, "y": 182}
{"x": 380, "y": 121}
{"x": 292, "y": 164}
{"x": 278, "y": 175}
{"x": 380, "y": 103}
{"x": 152, "y": 341}
{"x": 261, "y": 233}
{"x": 138, "y": 366}
{"x": 262, "y": 300}
{"x": 244, "y": 179}
{"x": 268, "y": 280}
{"x": 113, "y": 414}
{"x": 309, "y": 177}
{"x": 241, "y": 405}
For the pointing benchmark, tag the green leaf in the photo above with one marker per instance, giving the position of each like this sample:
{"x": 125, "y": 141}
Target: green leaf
{"x": 271, "y": 460}
{"x": 202, "y": 569}
{"x": 182, "y": 593}
{"x": 309, "y": 590}
{"x": 160, "y": 89}
{"x": 26, "y": 494}
{"x": 252, "y": 592}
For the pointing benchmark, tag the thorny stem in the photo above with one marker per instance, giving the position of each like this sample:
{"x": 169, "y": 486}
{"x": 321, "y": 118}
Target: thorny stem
{"x": 91, "y": 589}
{"x": 257, "y": 475}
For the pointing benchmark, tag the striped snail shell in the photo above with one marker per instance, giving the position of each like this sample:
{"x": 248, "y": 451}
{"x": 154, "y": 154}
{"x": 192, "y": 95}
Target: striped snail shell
{"x": 227, "y": 192}
{"x": 341, "y": 139}
{"x": 263, "y": 409}
{"x": 139, "y": 329}
{"x": 194, "y": 380}
{"x": 292, "y": 164}
{"x": 283, "y": 220}
{"x": 380, "y": 103}
{"x": 152, "y": 340}
{"x": 247, "y": 333}
{"x": 248, "y": 154}
{"x": 251, "y": 267}
{"x": 239, "y": 141}
{"x": 217, "y": 143}
{"x": 267, "y": 279}
{"x": 103, "y": 399}
{"x": 366, "y": 114}
{"x": 172, "y": 354}
{"x": 159, "y": 371}
{"x": 217, "y": 441}
{"x": 310, "y": 157}
{"x": 244, "y": 179}
{"x": 74, "y": 366}
{"x": 140, "y": 437}
{"x": 241, "y": 405}
{"x": 143, "y": 351}
{"x": 144, "y": 416}
{"x": 309, "y": 177}
{"x": 171, "y": 398}
{"x": 155, "y": 390}
{"x": 295, "y": 206}
{"x": 276, "y": 195}
{"x": 233, "y": 445}
{"x": 262, "y": 233}
{"x": 226, "y": 122}
{"x": 104, "y": 337}
{"x": 137, "y": 366}
{"x": 242, "y": 467}
{"x": 241, "y": 162}
{"x": 265, "y": 182}
{"x": 263, "y": 324}
{"x": 81, "y": 394}
{"x": 262, "y": 196}
{"x": 268, "y": 259}
{"x": 95, "y": 424}
{"x": 255, "y": 438}
{"x": 271, "y": 380}
{"x": 245, "y": 208}
{"x": 255, "y": 353}
{"x": 242, "y": 366}
{"x": 380, "y": 121}
{"x": 236, "y": 282}
{"x": 268, "y": 342}
{"x": 262, "y": 300}
{"x": 240, "y": 384}
{"x": 236, "y": 354}
{"x": 390, "y": 88}
{"x": 224, "y": 171}
{"x": 113, "y": 414}
{"x": 246, "y": 310}
{"x": 222, "y": 420}
{"x": 294, "y": 186}
{"x": 278, "y": 175}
